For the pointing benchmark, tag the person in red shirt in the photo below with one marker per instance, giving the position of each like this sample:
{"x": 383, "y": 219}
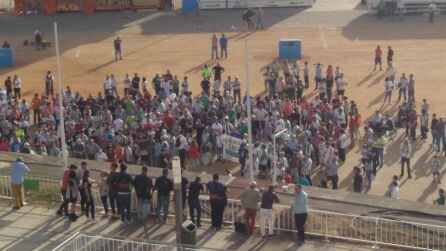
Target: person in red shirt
{"x": 4, "y": 145}
{"x": 63, "y": 189}
{"x": 194, "y": 155}
{"x": 378, "y": 54}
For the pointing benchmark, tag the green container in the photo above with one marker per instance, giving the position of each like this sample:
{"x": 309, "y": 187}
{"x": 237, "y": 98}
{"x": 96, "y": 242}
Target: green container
{"x": 188, "y": 233}
{"x": 31, "y": 185}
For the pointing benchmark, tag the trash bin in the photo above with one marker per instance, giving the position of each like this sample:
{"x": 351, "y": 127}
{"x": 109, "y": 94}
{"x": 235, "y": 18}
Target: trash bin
{"x": 188, "y": 233}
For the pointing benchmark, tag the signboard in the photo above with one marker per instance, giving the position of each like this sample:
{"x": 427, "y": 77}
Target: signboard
{"x": 241, "y": 4}
{"x": 231, "y": 146}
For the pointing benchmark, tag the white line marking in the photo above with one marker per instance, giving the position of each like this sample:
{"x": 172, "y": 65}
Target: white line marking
{"x": 324, "y": 41}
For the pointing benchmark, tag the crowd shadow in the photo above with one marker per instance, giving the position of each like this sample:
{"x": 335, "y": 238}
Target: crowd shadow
{"x": 415, "y": 26}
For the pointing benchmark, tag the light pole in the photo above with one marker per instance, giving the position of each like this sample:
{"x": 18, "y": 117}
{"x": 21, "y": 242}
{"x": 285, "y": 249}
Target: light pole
{"x": 248, "y": 114}
{"x": 61, "y": 110}
{"x": 176, "y": 174}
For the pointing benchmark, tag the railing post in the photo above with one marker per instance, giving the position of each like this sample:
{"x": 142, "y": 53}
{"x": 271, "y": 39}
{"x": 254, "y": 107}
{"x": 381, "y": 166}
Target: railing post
{"x": 375, "y": 245}
{"x": 427, "y": 240}
{"x": 232, "y": 212}
{"x": 326, "y": 228}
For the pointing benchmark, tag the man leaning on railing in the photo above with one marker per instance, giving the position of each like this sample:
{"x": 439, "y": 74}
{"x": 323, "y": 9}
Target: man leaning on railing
{"x": 18, "y": 170}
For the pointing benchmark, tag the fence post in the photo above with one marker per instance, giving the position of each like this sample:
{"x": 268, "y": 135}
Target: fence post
{"x": 326, "y": 228}
{"x": 427, "y": 240}
{"x": 375, "y": 245}
{"x": 232, "y": 212}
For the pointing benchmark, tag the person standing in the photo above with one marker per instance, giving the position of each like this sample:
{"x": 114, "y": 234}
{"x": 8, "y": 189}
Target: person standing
{"x": 389, "y": 55}
{"x": 35, "y": 105}
{"x": 8, "y": 87}
{"x": 250, "y": 199}
{"x": 124, "y": 188}
{"x": 113, "y": 189}
{"x": 378, "y": 54}
{"x": 402, "y": 87}
{"x": 406, "y": 152}
{"x": 236, "y": 87}
{"x": 223, "y": 45}
{"x": 193, "y": 200}
{"x": 217, "y": 70}
{"x": 332, "y": 172}
{"x": 17, "y": 85}
{"x": 49, "y": 84}
{"x": 306, "y": 75}
{"x": 411, "y": 88}
{"x": 357, "y": 180}
{"x": 117, "y": 46}
{"x": 143, "y": 189}
{"x": 300, "y": 211}
{"x": 214, "y": 45}
{"x": 218, "y": 199}
{"x": 18, "y": 170}
{"x": 163, "y": 186}
{"x": 259, "y": 19}
{"x": 182, "y": 146}
{"x": 266, "y": 211}
{"x": 342, "y": 144}
{"x": 80, "y": 176}
{"x": 89, "y": 205}
{"x": 388, "y": 85}
{"x": 431, "y": 9}
{"x": 63, "y": 189}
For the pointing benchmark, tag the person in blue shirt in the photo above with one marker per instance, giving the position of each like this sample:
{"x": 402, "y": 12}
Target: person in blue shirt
{"x": 223, "y": 46}
{"x": 300, "y": 211}
{"x": 302, "y": 180}
{"x": 18, "y": 170}
{"x": 15, "y": 145}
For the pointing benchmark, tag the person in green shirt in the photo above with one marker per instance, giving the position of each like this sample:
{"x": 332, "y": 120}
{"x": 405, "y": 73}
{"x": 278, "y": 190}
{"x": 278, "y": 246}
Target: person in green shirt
{"x": 381, "y": 7}
{"x": 206, "y": 72}
{"x": 176, "y": 85}
{"x": 204, "y": 100}
{"x": 156, "y": 82}
{"x": 441, "y": 199}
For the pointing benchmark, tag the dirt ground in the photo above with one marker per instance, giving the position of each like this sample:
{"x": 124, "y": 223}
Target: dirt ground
{"x": 419, "y": 48}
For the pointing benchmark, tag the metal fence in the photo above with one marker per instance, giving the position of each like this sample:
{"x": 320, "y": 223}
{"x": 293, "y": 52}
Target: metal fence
{"x": 374, "y": 230}
{"x": 84, "y": 242}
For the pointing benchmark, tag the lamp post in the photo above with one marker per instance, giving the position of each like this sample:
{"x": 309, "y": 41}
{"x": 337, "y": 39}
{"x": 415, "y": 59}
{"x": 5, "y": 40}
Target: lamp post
{"x": 176, "y": 175}
{"x": 61, "y": 109}
{"x": 248, "y": 114}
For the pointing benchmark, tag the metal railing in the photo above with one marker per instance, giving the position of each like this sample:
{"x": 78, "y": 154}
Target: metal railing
{"x": 352, "y": 227}
{"x": 81, "y": 241}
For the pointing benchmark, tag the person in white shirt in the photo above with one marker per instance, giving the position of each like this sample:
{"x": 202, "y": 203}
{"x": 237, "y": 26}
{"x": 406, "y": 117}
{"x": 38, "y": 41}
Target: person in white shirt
{"x": 17, "y": 85}
{"x": 107, "y": 84}
{"x": 340, "y": 84}
{"x": 406, "y": 152}
{"x": 388, "y": 84}
{"x": 114, "y": 85}
{"x": 342, "y": 143}
{"x": 394, "y": 191}
{"x": 185, "y": 85}
{"x": 118, "y": 124}
{"x": 431, "y": 9}
{"x": 127, "y": 81}
{"x": 182, "y": 146}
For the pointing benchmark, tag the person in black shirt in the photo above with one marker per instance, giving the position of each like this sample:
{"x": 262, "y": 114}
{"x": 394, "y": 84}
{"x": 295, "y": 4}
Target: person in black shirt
{"x": 218, "y": 70}
{"x": 143, "y": 189}
{"x": 135, "y": 82}
{"x": 218, "y": 198}
{"x": 112, "y": 189}
{"x": 124, "y": 184}
{"x": 206, "y": 87}
{"x": 389, "y": 55}
{"x": 194, "y": 201}
{"x": 184, "y": 186}
{"x": 8, "y": 86}
{"x": 6, "y": 45}
{"x": 266, "y": 210}
{"x": 117, "y": 45}
{"x": 163, "y": 186}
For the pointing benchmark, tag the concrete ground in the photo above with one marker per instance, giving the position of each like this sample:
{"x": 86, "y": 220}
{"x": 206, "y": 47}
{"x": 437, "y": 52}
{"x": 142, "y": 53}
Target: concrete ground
{"x": 342, "y": 34}
{"x": 36, "y": 228}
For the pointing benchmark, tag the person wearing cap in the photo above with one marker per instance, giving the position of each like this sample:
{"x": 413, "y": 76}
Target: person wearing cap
{"x": 300, "y": 211}
{"x": 163, "y": 185}
{"x": 218, "y": 199}
{"x": 250, "y": 199}
{"x": 18, "y": 170}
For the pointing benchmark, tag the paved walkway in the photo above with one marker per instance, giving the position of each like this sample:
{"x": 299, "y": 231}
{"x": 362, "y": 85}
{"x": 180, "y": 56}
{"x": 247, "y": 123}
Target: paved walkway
{"x": 37, "y": 228}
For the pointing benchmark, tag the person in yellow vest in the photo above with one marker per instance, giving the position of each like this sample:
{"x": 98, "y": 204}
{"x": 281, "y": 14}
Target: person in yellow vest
{"x": 206, "y": 72}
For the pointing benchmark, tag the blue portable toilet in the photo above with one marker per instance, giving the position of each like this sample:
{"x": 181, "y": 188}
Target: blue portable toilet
{"x": 6, "y": 57}
{"x": 190, "y": 6}
{"x": 290, "y": 49}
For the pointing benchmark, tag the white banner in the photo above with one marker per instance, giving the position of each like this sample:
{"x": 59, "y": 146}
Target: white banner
{"x": 231, "y": 146}
{"x": 241, "y": 4}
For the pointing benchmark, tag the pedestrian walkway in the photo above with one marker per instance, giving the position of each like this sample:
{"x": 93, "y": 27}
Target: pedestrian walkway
{"x": 37, "y": 228}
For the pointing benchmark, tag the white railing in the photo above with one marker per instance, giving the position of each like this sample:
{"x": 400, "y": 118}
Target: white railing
{"x": 353, "y": 227}
{"x": 80, "y": 241}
